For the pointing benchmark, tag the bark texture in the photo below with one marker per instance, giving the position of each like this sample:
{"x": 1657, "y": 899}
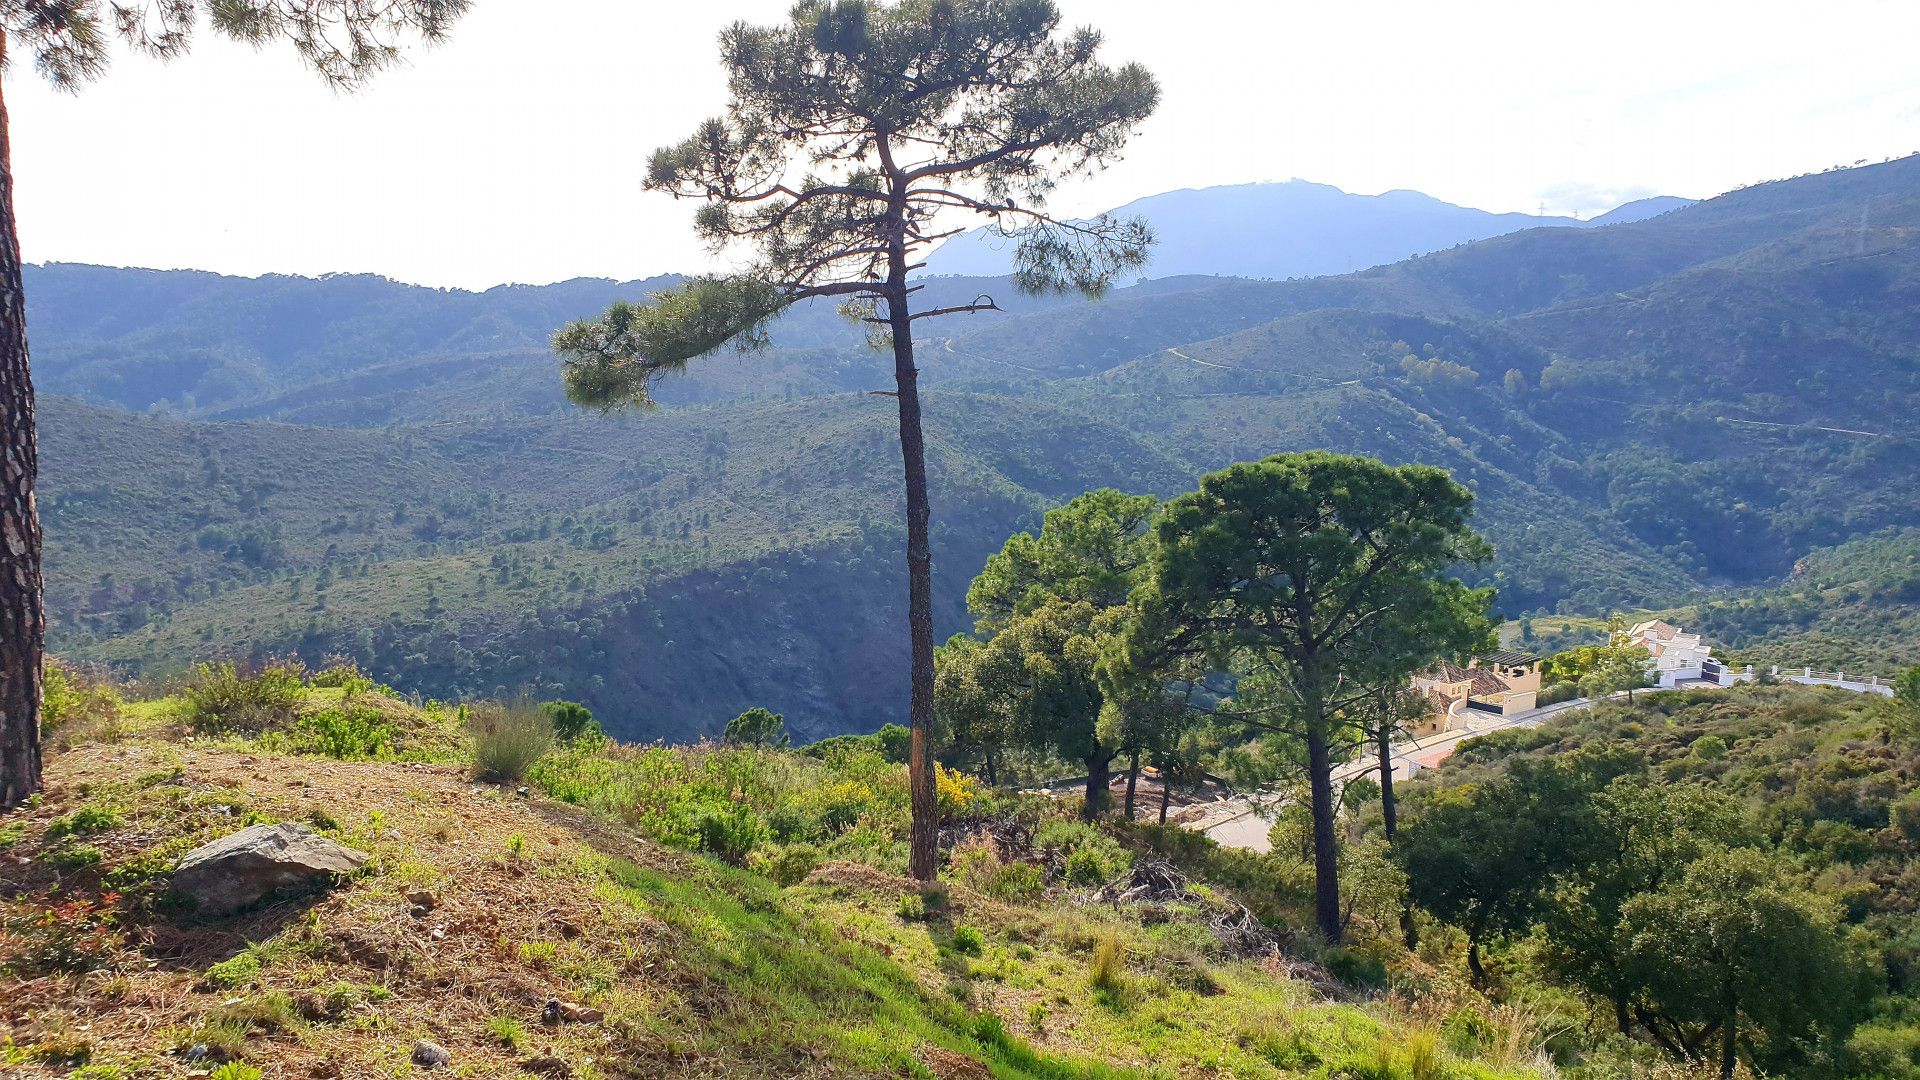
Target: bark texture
{"x": 23, "y": 626}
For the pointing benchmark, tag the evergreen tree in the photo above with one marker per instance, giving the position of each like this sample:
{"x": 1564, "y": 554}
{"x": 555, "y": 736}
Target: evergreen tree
{"x": 1310, "y": 579}
{"x": 71, "y": 41}
{"x": 857, "y": 134}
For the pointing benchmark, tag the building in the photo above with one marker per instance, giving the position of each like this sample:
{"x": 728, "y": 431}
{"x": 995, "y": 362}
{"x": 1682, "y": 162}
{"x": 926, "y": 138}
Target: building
{"x": 1677, "y": 655}
{"x": 1499, "y": 684}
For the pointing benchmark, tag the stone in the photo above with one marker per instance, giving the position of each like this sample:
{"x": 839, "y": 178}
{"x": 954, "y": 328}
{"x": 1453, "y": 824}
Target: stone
{"x": 548, "y": 1066}
{"x": 430, "y": 1055}
{"x": 242, "y": 868}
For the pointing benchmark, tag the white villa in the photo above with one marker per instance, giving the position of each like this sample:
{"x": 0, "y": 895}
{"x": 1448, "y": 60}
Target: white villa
{"x": 1677, "y": 655}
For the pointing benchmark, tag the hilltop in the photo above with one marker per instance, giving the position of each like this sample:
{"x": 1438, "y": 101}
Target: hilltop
{"x": 1663, "y": 412}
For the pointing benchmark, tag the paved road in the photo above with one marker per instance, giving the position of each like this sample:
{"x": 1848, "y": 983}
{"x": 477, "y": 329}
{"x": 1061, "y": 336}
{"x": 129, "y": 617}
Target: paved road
{"x": 1243, "y": 821}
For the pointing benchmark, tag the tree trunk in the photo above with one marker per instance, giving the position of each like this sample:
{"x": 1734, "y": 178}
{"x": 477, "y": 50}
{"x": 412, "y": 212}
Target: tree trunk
{"x": 1326, "y": 858}
{"x": 23, "y": 626}
{"x": 1473, "y": 963}
{"x": 1099, "y": 773}
{"x": 1727, "y": 1043}
{"x": 1166, "y": 792}
{"x": 1386, "y": 777}
{"x": 913, "y": 452}
{"x": 1133, "y": 778}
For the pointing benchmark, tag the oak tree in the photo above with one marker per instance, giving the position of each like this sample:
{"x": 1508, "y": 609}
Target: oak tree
{"x": 858, "y": 134}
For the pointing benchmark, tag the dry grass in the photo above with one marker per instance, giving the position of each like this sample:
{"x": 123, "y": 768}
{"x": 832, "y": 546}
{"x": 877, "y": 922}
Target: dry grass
{"x": 362, "y": 974}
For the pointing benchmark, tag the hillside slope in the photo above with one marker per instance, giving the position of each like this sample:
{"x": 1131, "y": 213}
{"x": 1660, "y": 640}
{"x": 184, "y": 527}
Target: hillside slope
{"x": 1652, "y": 413}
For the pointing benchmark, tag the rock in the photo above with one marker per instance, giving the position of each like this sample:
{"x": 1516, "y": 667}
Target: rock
{"x": 430, "y": 1055}
{"x": 197, "y": 1052}
{"x": 548, "y": 1066}
{"x": 423, "y": 898}
{"x": 241, "y": 868}
{"x": 580, "y": 1014}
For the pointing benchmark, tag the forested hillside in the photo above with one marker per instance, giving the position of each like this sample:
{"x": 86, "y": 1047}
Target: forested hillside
{"x": 1675, "y": 410}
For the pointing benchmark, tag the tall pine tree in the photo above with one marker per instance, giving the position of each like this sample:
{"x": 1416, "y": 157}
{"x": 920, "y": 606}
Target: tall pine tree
{"x": 858, "y": 135}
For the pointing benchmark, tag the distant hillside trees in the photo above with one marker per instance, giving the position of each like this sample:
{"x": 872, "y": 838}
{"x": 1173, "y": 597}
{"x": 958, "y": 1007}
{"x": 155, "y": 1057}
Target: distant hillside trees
{"x": 854, "y": 131}
{"x": 344, "y": 41}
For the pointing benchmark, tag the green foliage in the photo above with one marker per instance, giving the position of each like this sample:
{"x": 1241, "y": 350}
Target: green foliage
{"x": 85, "y": 821}
{"x": 732, "y": 833}
{"x": 968, "y": 940}
{"x": 71, "y": 700}
{"x": 351, "y": 732}
{"x": 757, "y": 727}
{"x": 572, "y": 721}
{"x": 508, "y": 739}
{"x": 979, "y": 864}
{"x": 226, "y": 696}
{"x": 234, "y": 1070}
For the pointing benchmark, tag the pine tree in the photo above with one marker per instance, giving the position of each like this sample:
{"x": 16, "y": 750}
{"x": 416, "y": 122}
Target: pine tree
{"x": 71, "y": 42}
{"x": 858, "y": 135}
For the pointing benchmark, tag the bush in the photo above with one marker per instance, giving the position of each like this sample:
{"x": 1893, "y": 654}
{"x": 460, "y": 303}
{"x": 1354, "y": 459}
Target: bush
{"x": 572, "y": 721}
{"x": 1906, "y": 816}
{"x": 342, "y": 675}
{"x": 1554, "y": 693}
{"x": 348, "y": 733}
{"x": 788, "y": 864}
{"x": 74, "y": 704}
{"x": 507, "y": 740}
{"x": 968, "y": 941}
{"x": 732, "y": 833}
{"x": 1088, "y": 856}
{"x": 976, "y": 863}
{"x": 225, "y": 697}
{"x": 757, "y": 727}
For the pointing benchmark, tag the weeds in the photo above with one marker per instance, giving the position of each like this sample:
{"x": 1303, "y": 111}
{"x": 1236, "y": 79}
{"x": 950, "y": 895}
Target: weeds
{"x": 223, "y": 697}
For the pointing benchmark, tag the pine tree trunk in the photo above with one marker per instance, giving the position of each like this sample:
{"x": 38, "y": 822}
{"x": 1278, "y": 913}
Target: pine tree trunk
{"x": 1727, "y": 1058}
{"x": 23, "y": 625}
{"x": 913, "y": 451}
{"x": 1386, "y": 777}
{"x": 1166, "y": 792}
{"x": 1326, "y": 859}
{"x": 1099, "y": 774}
{"x": 1133, "y": 778}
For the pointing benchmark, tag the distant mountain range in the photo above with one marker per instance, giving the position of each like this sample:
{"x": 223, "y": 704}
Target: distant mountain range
{"x": 1291, "y": 229}
{"x": 1662, "y": 411}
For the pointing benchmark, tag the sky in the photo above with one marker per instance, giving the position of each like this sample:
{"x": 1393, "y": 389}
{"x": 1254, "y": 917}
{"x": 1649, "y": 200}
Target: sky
{"x": 514, "y": 152}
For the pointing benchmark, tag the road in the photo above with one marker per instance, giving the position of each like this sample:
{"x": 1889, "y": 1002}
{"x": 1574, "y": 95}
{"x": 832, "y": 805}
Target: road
{"x": 1244, "y": 820}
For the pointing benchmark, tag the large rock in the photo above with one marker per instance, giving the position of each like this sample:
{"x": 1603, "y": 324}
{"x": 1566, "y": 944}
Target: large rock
{"x": 241, "y": 868}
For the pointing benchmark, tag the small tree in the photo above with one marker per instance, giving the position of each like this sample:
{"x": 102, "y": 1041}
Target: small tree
{"x": 1312, "y": 578}
{"x": 1738, "y": 954}
{"x": 71, "y": 42}
{"x": 856, "y": 132}
{"x": 572, "y": 721}
{"x": 758, "y": 727}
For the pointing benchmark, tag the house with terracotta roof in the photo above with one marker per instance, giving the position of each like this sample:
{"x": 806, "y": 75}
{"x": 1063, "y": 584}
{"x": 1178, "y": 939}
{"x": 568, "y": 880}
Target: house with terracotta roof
{"x": 1677, "y": 655}
{"x": 1499, "y": 684}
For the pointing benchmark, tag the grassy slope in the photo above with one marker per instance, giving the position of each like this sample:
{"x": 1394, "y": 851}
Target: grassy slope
{"x": 699, "y": 969}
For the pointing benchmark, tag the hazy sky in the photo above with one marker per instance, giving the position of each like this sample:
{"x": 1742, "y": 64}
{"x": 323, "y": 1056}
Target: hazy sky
{"x": 514, "y": 152}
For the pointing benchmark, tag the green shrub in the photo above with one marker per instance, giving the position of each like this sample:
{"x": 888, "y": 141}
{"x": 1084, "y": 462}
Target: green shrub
{"x": 343, "y": 675}
{"x": 788, "y": 864}
{"x": 731, "y": 833}
{"x": 238, "y": 970}
{"x": 226, "y": 697}
{"x": 757, "y": 727}
{"x": 235, "y": 1070}
{"x": 1905, "y": 815}
{"x": 572, "y": 721}
{"x": 968, "y": 940}
{"x": 976, "y": 863}
{"x": 1088, "y": 856}
{"x": 70, "y": 701}
{"x": 507, "y": 739}
{"x": 85, "y": 821}
{"x": 351, "y": 732}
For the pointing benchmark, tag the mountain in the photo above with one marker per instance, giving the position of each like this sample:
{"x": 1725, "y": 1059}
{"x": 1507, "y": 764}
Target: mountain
{"x": 1289, "y": 229}
{"x": 1661, "y": 412}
